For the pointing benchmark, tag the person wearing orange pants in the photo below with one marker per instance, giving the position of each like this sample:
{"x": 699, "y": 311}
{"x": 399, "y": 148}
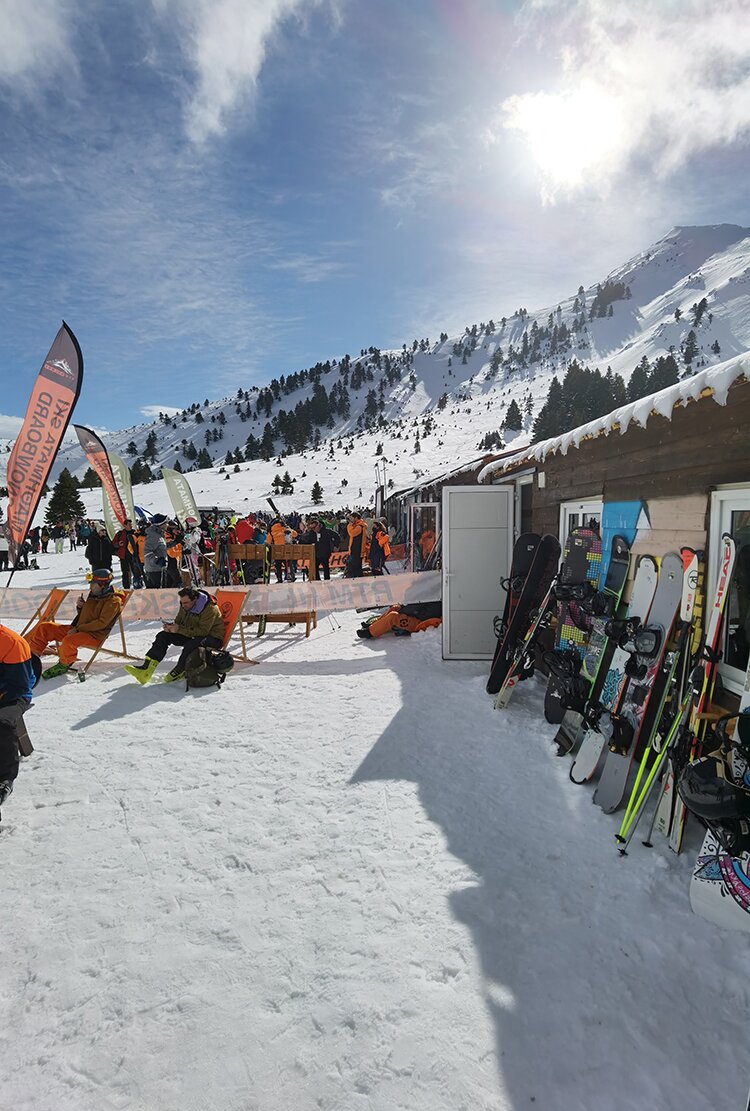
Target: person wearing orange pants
{"x": 95, "y": 617}
{"x": 68, "y": 640}
{"x": 404, "y": 620}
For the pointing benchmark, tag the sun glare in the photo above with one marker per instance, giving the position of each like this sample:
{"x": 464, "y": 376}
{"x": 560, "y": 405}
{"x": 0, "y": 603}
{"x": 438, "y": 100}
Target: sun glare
{"x": 572, "y": 135}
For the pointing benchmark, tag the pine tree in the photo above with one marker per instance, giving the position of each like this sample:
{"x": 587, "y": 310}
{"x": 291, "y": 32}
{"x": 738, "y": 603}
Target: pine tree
{"x": 65, "y": 504}
{"x": 547, "y": 424}
{"x": 316, "y": 493}
{"x": 149, "y": 451}
{"x": 513, "y": 419}
{"x": 691, "y": 348}
{"x": 638, "y": 386}
{"x": 90, "y": 480}
{"x": 132, "y": 448}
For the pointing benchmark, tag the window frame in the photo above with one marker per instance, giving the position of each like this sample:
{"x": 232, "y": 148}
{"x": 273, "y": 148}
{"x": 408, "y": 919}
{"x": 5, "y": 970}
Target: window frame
{"x": 724, "y": 501}
{"x": 593, "y": 504}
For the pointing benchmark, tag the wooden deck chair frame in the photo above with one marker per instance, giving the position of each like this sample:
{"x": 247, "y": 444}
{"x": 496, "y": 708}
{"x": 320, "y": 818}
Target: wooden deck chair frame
{"x": 47, "y": 609}
{"x": 122, "y": 655}
{"x": 234, "y": 621}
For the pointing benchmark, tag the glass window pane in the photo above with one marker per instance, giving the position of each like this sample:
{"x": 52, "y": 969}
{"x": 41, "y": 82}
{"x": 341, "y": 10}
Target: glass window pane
{"x": 737, "y": 625}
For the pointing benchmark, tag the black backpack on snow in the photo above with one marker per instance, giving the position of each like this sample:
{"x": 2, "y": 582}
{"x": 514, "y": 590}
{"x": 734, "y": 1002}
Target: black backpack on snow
{"x": 205, "y": 667}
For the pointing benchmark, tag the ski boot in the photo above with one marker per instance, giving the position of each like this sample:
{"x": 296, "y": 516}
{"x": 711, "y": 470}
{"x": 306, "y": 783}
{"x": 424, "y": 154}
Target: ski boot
{"x": 55, "y": 670}
{"x": 142, "y": 672}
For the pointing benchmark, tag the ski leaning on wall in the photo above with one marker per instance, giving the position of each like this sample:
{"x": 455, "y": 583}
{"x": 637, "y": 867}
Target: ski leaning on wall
{"x": 671, "y": 813}
{"x": 677, "y": 693}
{"x": 648, "y": 647}
{"x": 720, "y": 883}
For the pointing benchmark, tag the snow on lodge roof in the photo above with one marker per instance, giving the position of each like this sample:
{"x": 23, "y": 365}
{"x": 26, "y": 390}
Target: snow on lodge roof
{"x": 714, "y": 382}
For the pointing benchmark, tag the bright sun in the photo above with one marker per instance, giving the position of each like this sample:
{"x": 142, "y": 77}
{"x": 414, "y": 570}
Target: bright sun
{"x": 573, "y": 136}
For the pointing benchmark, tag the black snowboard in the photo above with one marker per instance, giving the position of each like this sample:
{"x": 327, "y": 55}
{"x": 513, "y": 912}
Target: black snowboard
{"x": 535, "y": 586}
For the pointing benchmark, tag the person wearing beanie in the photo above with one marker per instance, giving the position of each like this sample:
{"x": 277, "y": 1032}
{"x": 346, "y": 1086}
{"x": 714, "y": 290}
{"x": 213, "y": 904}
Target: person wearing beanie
{"x": 95, "y": 616}
{"x": 99, "y": 550}
{"x": 155, "y": 553}
{"x": 198, "y": 624}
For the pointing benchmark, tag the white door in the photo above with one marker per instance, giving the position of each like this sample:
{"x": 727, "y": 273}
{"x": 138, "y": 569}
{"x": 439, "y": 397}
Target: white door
{"x": 477, "y": 548}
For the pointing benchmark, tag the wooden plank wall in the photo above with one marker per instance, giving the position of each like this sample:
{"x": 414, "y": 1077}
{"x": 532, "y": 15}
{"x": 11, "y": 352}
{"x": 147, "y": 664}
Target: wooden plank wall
{"x": 704, "y": 445}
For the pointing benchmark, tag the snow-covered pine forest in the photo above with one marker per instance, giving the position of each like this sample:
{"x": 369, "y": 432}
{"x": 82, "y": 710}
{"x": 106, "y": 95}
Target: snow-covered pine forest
{"x": 437, "y": 402}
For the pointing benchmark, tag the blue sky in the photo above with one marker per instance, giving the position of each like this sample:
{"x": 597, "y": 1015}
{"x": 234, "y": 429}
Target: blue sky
{"x": 214, "y": 192}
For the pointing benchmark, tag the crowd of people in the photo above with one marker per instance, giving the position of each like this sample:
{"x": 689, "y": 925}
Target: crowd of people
{"x": 153, "y": 553}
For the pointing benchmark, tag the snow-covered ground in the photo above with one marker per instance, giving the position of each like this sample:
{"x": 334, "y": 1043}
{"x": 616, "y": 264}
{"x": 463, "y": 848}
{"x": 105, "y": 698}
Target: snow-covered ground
{"x": 343, "y": 882}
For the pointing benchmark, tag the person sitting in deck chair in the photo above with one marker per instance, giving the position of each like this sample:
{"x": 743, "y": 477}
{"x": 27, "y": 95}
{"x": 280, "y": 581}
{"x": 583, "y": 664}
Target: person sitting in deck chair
{"x": 198, "y": 624}
{"x": 90, "y": 627}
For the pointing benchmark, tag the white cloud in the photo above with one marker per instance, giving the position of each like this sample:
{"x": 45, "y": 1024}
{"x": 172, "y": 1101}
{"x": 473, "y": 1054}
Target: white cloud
{"x": 658, "y": 81}
{"x": 9, "y": 426}
{"x": 34, "y": 42}
{"x": 152, "y": 411}
{"x": 226, "y": 42}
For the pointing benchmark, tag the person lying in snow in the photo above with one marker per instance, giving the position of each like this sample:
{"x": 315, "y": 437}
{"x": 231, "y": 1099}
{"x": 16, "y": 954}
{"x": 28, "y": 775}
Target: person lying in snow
{"x": 198, "y": 624}
{"x": 90, "y": 627}
{"x": 403, "y": 620}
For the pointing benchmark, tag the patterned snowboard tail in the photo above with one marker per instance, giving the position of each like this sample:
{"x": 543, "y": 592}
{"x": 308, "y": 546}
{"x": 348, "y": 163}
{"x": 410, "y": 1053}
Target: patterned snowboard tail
{"x": 577, "y": 582}
{"x": 593, "y": 743}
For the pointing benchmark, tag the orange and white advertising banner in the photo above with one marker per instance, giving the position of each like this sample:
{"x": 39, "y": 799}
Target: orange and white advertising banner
{"x": 48, "y": 414}
{"x": 324, "y": 597}
{"x": 98, "y": 460}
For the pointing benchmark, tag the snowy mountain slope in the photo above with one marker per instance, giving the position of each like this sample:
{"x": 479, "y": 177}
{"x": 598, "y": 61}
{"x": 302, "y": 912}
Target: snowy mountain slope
{"x": 425, "y": 409}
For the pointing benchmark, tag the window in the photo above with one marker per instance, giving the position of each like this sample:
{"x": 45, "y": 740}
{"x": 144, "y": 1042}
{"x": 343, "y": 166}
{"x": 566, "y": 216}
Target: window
{"x": 583, "y": 514}
{"x": 730, "y": 512}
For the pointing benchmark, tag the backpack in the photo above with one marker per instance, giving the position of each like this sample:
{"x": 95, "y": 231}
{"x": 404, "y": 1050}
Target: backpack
{"x": 206, "y": 668}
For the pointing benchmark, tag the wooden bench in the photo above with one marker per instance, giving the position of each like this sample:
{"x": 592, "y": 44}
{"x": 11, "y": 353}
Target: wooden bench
{"x": 304, "y": 554}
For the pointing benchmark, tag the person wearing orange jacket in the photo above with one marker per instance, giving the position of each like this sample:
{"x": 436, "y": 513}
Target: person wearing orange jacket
{"x": 90, "y": 627}
{"x": 357, "y": 533}
{"x": 17, "y": 680}
{"x": 173, "y": 540}
{"x": 403, "y": 620}
{"x": 426, "y": 543}
{"x": 277, "y": 535}
{"x": 380, "y": 548}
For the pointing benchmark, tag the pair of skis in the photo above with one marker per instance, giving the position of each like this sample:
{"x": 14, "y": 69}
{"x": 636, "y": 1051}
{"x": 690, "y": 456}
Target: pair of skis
{"x": 671, "y": 814}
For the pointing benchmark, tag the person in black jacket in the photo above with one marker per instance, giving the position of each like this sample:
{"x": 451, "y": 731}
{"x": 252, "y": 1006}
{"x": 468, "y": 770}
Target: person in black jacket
{"x": 99, "y": 550}
{"x": 326, "y": 542}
